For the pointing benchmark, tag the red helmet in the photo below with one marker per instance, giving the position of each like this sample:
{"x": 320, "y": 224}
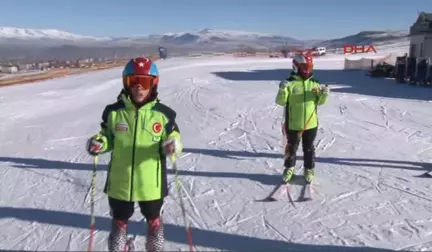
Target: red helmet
{"x": 141, "y": 71}
{"x": 302, "y": 65}
{"x": 141, "y": 66}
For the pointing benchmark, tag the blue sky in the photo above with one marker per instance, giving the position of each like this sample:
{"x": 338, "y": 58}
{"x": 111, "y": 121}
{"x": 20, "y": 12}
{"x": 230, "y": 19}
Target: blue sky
{"x": 296, "y": 18}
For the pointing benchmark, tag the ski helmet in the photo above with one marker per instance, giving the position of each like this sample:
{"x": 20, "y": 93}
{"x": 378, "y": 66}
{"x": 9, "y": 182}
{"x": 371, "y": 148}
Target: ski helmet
{"x": 302, "y": 65}
{"x": 141, "y": 66}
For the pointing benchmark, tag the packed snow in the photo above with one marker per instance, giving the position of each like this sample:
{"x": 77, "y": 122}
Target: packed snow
{"x": 374, "y": 141}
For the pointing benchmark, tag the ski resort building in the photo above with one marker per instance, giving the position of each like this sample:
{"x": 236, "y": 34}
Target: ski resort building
{"x": 421, "y": 36}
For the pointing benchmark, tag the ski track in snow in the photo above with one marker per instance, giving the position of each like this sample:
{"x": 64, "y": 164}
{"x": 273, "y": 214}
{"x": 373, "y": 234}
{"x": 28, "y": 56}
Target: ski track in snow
{"x": 371, "y": 144}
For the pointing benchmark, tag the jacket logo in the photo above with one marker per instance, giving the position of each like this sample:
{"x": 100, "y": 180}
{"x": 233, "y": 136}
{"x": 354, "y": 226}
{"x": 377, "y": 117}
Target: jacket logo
{"x": 297, "y": 90}
{"x": 157, "y": 127}
{"x": 121, "y": 127}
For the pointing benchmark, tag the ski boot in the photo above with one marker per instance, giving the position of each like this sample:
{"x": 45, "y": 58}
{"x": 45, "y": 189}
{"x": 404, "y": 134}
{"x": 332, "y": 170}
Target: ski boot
{"x": 155, "y": 235}
{"x": 117, "y": 239}
{"x": 309, "y": 175}
{"x": 288, "y": 173}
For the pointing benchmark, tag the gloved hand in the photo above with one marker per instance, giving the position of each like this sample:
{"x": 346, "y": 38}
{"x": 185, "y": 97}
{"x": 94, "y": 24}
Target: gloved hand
{"x": 283, "y": 84}
{"x": 171, "y": 146}
{"x": 325, "y": 89}
{"x": 95, "y": 145}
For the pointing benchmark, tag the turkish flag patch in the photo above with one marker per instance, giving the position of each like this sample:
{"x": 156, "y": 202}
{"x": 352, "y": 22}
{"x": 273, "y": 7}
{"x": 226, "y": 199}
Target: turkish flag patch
{"x": 157, "y": 127}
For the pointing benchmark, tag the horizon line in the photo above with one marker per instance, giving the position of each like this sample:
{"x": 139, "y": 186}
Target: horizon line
{"x": 201, "y": 29}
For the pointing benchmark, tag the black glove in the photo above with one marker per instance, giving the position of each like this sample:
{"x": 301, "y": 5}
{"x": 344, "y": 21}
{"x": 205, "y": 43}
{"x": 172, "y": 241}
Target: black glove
{"x": 95, "y": 145}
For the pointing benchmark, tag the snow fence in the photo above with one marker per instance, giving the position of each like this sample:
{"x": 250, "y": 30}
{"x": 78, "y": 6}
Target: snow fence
{"x": 368, "y": 62}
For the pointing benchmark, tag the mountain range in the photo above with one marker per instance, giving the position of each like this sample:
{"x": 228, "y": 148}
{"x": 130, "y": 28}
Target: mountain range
{"x": 51, "y": 43}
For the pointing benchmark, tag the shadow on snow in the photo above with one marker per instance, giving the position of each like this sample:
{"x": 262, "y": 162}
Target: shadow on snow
{"x": 265, "y": 179}
{"x": 174, "y": 233}
{"x": 356, "y": 81}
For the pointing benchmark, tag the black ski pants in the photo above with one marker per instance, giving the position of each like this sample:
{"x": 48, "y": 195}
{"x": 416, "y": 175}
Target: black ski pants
{"x": 293, "y": 141}
{"x": 123, "y": 210}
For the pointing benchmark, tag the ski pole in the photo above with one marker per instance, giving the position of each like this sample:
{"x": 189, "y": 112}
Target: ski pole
{"x": 179, "y": 188}
{"x": 92, "y": 218}
{"x": 310, "y": 117}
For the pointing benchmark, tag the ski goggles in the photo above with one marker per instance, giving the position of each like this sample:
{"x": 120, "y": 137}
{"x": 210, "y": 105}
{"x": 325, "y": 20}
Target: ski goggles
{"x": 305, "y": 67}
{"x": 145, "y": 81}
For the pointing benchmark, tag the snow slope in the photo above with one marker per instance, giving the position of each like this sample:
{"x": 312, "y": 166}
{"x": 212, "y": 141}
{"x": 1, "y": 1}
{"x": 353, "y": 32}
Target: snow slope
{"x": 375, "y": 137}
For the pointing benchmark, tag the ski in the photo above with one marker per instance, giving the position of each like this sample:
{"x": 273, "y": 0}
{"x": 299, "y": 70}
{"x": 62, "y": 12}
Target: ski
{"x": 286, "y": 189}
{"x": 270, "y": 197}
{"x": 289, "y": 195}
{"x": 305, "y": 193}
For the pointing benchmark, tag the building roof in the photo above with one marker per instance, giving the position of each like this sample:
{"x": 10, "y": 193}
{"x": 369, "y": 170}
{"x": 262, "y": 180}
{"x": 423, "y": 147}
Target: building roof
{"x": 423, "y": 25}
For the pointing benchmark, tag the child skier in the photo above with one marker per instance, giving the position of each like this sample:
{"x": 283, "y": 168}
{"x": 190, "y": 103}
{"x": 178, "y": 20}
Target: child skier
{"x": 140, "y": 131}
{"x": 301, "y": 94}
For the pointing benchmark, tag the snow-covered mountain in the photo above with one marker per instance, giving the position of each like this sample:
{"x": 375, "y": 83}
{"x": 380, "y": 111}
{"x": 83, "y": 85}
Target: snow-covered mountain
{"x": 202, "y": 38}
{"x": 227, "y": 37}
{"x": 207, "y": 35}
{"x": 369, "y": 38}
{"x": 21, "y": 33}
{"x": 43, "y": 37}
{"x": 51, "y": 43}
{"x": 14, "y": 35}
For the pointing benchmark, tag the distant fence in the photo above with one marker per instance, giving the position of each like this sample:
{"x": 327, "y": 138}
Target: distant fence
{"x": 366, "y": 63}
{"x": 200, "y": 54}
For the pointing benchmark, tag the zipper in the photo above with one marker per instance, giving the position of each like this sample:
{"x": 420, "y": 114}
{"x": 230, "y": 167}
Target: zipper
{"x": 304, "y": 105}
{"x": 289, "y": 116}
{"x": 108, "y": 179}
{"x": 157, "y": 175}
{"x": 133, "y": 155}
